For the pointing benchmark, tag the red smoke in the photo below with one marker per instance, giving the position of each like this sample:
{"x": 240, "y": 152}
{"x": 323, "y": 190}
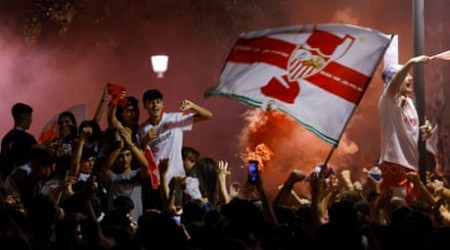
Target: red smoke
{"x": 113, "y": 40}
{"x": 292, "y": 146}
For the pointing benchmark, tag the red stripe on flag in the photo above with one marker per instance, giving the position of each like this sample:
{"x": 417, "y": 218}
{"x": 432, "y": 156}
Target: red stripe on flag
{"x": 50, "y": 132}
{"x": 341, "y": 81}
{"x": 268, "y": 50}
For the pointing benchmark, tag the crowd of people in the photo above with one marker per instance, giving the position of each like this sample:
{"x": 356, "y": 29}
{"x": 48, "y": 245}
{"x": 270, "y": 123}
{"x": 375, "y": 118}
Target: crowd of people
{"x": 137, "y": 186}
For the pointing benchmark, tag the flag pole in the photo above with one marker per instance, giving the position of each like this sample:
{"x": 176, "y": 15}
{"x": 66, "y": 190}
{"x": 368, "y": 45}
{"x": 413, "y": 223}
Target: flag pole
{"x": 364, "y": 91}
{"x": 342, "y": 132}
{"x": 419, "y": 92}
{"x": 329, "y": 155}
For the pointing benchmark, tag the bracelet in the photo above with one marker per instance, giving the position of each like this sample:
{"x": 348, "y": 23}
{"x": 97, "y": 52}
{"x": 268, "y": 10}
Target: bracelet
{"x": 131, "y": 145}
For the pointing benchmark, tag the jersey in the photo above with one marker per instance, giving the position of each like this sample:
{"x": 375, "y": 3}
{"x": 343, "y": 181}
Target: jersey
{"x": 399, "y": 131}
{"x": 169, "y": 140}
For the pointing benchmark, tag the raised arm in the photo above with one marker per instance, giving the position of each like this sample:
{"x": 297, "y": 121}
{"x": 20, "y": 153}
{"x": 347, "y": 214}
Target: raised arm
{"x": 76, "y": 158}
{"x": 109, "y": 162}
{"x": 201, "y": 113}
{"x": 268, "y": 212}
{"x": 400, "y": 76}
{"x": 138, "y": 155}
{"x": 423, "y": 191}
{"x": 286, "y": 190}
{"x": 101, "y": 105}
{"x": 118, "y": 94}
{"x": 316, "y": 183}
{"x": 163, "y": 166}
{"x": 176, "y": 185}
{"x": 222, "y": 175}
{"x": 112, "y": 119}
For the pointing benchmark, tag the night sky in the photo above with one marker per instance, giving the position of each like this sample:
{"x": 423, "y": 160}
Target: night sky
{"x": 52, "y": 66}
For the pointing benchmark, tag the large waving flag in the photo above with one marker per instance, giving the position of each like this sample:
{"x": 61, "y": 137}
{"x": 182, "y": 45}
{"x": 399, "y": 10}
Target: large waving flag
{"x": 316, "y": 74}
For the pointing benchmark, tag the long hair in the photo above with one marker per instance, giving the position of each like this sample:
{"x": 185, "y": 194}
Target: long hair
{"x": 206, "y": 171}
{"x": 74, "y": 129}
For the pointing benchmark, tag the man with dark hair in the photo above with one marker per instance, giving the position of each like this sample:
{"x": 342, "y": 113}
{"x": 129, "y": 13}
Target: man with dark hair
{"x": 22, "y": 183}
{"x": 128, "y": 114}
{"x": 163, "y": 132}
{"x": 16, "y": 144}
{"x": 119, "y": 176}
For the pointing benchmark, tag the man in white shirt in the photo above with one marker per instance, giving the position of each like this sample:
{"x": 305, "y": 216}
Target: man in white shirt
{"x": 163, "y": 132}
{"x": 399, "y": 127}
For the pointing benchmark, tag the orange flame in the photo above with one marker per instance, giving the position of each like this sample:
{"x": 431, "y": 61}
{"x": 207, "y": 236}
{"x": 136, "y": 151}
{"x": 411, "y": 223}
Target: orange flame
{"x": 262, "y": 154}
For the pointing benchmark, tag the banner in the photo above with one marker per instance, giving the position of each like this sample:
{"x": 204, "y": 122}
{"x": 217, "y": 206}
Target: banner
{"x": 50, "y": 129}
{"x": 317, "y": 74}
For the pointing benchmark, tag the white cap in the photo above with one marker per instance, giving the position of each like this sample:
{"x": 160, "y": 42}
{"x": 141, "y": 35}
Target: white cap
{"x": 390, "y": 71}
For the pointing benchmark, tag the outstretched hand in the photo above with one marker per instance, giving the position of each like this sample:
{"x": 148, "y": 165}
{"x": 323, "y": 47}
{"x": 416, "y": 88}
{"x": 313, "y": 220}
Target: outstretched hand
{"x": 420, "y": 59}
{"x": 222, "y": 170}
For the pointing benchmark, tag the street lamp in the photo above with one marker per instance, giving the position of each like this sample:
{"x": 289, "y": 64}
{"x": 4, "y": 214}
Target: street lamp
{"x": 159, "y": 64}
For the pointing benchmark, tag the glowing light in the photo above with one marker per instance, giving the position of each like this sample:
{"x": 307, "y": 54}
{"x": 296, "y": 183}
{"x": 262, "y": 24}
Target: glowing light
{"x": 160, "y": 64}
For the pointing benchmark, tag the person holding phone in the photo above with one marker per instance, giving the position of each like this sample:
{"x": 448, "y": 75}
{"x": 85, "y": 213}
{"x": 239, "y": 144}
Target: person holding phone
{"x": 255, "y": 179}
{"x": 253, "y": 172}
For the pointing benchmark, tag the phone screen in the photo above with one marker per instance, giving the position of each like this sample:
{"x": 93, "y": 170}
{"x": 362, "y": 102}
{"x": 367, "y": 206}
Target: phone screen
{"x": 253, "y": 174}
{"x": 177, "y": 219}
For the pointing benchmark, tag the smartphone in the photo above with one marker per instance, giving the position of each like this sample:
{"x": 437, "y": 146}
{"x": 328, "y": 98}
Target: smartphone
{"x": 253, "y": 172}
{"x": 177, "y": 219}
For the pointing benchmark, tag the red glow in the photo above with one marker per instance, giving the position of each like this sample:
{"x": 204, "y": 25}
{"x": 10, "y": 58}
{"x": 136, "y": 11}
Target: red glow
{"x": 112, "y": 41}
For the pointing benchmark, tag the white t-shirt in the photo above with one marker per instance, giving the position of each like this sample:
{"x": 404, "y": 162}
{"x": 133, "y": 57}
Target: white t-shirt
{"x": 127, "y": 184}
{"x": 192, "y": 188}
{"x": 399, "y": 131}
{"x": 169, "y": 141}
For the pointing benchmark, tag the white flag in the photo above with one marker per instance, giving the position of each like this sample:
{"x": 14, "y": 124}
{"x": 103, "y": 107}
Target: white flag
{"x": 391, "y": 55}
{"x": 317, "y": 74}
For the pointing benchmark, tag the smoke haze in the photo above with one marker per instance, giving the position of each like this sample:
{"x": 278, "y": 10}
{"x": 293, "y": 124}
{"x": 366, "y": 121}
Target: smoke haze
{"x": 113, "y": 41}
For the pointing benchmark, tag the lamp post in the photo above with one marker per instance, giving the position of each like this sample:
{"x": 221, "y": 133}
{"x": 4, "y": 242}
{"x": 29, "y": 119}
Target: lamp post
{"x": 419, "y": 91}
{"x": 159, "y": 64}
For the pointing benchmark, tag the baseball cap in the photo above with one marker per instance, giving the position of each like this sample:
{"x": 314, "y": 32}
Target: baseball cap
{"x": 390, "y": 71}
